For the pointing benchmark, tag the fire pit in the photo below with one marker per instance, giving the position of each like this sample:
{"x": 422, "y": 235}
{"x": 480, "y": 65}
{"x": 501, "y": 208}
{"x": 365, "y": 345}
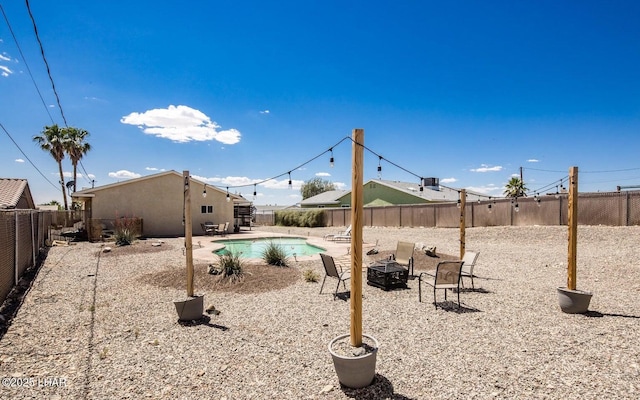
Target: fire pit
{"x": 387, "y": 274}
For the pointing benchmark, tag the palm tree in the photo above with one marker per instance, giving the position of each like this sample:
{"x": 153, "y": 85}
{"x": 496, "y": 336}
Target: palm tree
{"x": 76, "y": 148}
{"x": 515, "y": 188}
{"x": 52, "y": 139}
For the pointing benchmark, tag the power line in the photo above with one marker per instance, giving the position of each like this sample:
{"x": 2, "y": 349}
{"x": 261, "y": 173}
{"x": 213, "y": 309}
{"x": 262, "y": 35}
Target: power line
{"x": 24, "y": 60}
{"x": 27, "y": 157}
{"x": 46, "y": 63}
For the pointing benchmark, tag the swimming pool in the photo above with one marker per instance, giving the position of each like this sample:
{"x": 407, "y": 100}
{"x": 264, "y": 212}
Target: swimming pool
{"x": 253, "y": 248}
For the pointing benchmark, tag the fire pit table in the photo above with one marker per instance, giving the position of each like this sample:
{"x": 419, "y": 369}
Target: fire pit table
{"x": 387, "y": 274}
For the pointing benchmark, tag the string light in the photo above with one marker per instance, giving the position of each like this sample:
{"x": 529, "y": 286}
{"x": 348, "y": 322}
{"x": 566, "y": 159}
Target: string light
{"x": 255, "y": 193}
{"x": 331, "y": 159}
{"x": 228, "y": 198}
{"x": 379, "y": 167}
{"x": 204, "y": 191}
{"x": 290, "y": 183}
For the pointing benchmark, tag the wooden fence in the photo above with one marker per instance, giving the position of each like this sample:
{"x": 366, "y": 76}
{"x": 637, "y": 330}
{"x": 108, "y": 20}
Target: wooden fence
{"x": 610, "y": 208}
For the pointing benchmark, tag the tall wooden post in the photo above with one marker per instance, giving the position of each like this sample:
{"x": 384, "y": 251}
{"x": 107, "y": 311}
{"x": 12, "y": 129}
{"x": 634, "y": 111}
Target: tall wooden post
{"x": 463, "y": 221}
{"x": 188, "y": 232}
{"x": 356, "y": 236}
{"x": 573, "y": 228}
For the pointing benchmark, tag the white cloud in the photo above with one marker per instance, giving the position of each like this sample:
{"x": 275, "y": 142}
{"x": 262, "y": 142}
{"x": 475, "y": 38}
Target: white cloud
{"x": 486, "y": 189}
{"x": 448, "y": 180}
{"x": 283, "y": 184}
{"x": 154, "y": 169}
{"x": 533, "y": 160}
{"x": 180, "y": 124}
{"x": 5, "y": 71}
{"x": 323, "y": 174}
{"x": 124, "y": 174}
{"x": 19, "y": 160}
{"x": 486, "y": 168}
{"x": 340, "y": 185}
{"x": 265, "y": 112}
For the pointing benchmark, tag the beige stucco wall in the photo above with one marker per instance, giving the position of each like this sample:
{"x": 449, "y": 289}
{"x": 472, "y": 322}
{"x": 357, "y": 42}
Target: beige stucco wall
{"x": 159, "y": 202}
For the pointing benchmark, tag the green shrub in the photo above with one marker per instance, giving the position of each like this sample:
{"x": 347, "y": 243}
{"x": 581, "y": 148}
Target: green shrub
{"x": 310, "y": 275}
{"x": 274, "y": 254}
{"x": 231, "y": 266}
{"x": 309, "y": 218}
{"x": 126, "y": 230}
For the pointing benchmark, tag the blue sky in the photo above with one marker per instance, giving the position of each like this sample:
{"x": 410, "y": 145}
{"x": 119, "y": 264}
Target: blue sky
{"x": 238, "y": 92}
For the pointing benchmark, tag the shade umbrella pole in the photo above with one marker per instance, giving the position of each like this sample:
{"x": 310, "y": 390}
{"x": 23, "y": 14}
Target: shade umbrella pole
{"x": 356, "y": 237}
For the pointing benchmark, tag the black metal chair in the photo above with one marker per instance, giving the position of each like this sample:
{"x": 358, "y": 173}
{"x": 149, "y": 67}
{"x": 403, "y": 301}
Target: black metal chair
{"x": 332, "y": 271}
{"x": 446, "y": 276}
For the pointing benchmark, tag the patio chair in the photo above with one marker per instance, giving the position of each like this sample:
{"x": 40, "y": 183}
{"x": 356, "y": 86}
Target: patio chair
{"x": 332, "y": 271}
{"x": 446, "y": 277}
{"x": 208, "y": 228}
{"x": 340, "y": 236}
{"x": 221, "y": 230}
{"x": 404, "y": 255}
{"x": 468, "y": 262}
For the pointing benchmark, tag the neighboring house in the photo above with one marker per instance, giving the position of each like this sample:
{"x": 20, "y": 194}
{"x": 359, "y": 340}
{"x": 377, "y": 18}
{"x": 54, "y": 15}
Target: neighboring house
{"x": 377, "y": 192}
{"x": 159, "y": 200}
{"x": 15, "y": 194}
{"x": 330, "y": 198}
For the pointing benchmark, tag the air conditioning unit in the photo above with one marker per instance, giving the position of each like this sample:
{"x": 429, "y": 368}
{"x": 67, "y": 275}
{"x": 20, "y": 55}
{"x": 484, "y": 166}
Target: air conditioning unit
{"x": 431, "y": 183}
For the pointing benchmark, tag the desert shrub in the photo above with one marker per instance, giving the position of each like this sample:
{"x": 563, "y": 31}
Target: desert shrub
{"x": 230, "y": 266}
{"x": 126, "y": 230}
{"x": 310, "y": 275}
{"x": 310, "y": 218}
{"x": 274, "y": 254}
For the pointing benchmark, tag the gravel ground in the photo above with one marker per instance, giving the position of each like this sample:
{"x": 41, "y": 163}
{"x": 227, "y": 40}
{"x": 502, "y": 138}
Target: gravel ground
{"x": 93, "y": 325}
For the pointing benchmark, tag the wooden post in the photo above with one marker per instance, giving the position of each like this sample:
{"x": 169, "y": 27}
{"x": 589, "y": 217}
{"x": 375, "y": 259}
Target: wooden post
{"x": 573, "y": 228}
{"x": 188, "y": 232}
{"x": 463, "y": 221}
{"x": 356, "y": 236}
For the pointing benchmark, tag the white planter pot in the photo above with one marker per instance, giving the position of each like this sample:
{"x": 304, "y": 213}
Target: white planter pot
{"x": 574, "y": 301}
{"x": 355, "y": 372}
{"x": 191, "y": 308}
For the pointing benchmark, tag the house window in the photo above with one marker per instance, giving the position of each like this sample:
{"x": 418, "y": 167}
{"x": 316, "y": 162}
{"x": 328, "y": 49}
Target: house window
{"x": 206, "y": 209}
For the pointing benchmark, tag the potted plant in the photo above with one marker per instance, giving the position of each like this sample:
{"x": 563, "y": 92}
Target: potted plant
{"x": 355, "y": 360}
{"x": 192, "y": 307}
{"x": 572, "y": 300}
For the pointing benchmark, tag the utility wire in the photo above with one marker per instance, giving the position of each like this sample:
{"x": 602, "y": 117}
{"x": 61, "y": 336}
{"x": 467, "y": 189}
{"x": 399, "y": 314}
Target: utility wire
{"x": 44, "y": 58}
{"x": 24, "y": 60}
{"x": 53, "y": 85}
{"x": 27, "y": 157}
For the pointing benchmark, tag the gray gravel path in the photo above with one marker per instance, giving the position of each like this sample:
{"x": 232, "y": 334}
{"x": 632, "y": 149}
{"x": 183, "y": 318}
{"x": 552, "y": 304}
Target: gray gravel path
{"x": 90, "y": 329}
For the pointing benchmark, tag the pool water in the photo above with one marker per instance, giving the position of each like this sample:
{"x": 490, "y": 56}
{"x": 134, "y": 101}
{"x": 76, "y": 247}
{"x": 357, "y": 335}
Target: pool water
{"x": 253, "y": 248}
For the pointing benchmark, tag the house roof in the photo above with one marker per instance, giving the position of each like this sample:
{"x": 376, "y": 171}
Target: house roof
{"x": 328, "y": 197}
{"x": 11, "y": 190}
{"x": 89, "y": 192}
{"x": 442, "y": 194}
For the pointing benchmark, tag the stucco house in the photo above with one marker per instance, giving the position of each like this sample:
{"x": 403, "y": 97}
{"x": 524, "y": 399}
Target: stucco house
{"x": 378, "y": 192}
{"x": 15, "y": 194}
{"x": 158, "y": 200}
